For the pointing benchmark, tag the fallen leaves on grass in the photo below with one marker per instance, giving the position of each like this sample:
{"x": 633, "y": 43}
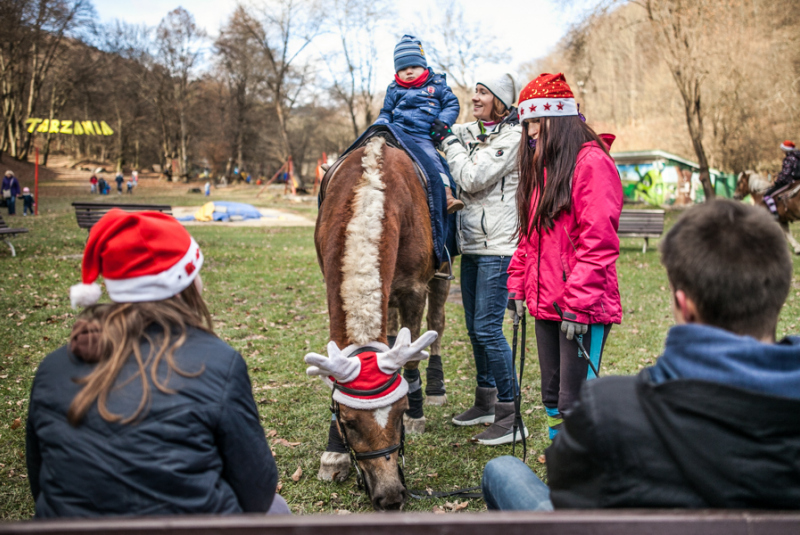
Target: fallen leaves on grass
{"x": 541, "y": 458}
{"x": 284, "y": 442}
{"x": 438, "y": 510}
{"x": 279, "y": 487}
{"x": 343, "y": 512}
{"x": 297, "y": 474}
{"x": 16, "y": 423}
{"x": 272, "y": 433}
{"x": 433, "y": 474}
{"x": 457, "y": 506}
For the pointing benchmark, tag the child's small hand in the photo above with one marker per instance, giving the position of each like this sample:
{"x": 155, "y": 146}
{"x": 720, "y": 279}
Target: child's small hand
{"x": 440, "y": 131}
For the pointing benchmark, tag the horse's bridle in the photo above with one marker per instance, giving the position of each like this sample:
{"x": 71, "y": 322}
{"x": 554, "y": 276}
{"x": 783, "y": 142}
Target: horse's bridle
{"x": 356, "y": 456}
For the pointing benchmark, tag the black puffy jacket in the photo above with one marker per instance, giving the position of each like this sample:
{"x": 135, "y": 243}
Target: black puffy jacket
{"x": 199, "y": 450}
{"x": 630, "y": 442}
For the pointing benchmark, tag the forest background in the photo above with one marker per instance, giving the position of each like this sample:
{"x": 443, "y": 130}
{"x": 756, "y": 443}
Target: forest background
{"x": 715, "y": 81}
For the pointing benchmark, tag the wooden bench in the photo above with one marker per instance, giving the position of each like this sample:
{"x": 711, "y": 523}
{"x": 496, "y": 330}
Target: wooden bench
{"x": 8, "y": 233}
{"x": 641, "y": 224}
{"x": 89, "y": 213}
{"x": 597, "y": 522}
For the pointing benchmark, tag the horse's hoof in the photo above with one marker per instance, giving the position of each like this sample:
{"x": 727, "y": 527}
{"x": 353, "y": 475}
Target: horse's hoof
{"x": 334, "y": 466}
{"x": 414, "y": 426}
{"x": 436, "y": 400}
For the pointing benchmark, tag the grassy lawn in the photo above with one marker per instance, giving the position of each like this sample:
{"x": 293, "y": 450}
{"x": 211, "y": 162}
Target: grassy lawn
{"x": 266, "y": 293}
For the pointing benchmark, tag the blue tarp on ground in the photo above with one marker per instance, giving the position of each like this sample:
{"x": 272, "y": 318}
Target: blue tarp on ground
{"x": 225, "y": 211}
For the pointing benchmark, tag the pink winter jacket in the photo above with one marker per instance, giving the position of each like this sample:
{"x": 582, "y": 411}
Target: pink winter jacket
{"x": 574, "y": 263}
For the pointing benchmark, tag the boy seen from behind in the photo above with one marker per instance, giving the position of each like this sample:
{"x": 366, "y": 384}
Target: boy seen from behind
{"x": 713, "y": 424}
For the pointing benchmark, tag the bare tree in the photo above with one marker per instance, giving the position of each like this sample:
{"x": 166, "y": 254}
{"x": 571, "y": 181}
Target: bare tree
{"x": 283, "y": 30}
{"x": 241, "y": 60}
{"x": 458, "y": 47}
{"x": 352, "y": 68}
{"x": 178, "y": 40}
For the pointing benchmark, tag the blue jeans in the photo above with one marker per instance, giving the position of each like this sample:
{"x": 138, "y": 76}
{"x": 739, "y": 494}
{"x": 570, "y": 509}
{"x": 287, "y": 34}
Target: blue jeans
{"x": 485, "y": 295}
{"x": 11, "y": 205}
{"x": 509, "y": 485}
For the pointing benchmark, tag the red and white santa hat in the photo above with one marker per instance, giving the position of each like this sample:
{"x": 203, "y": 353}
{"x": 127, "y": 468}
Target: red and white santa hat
{"x": 548, "y": 95}
{"x": 370, "y": 377}
{"x": 142, "y": 256}
{"x": 788, "y": 146}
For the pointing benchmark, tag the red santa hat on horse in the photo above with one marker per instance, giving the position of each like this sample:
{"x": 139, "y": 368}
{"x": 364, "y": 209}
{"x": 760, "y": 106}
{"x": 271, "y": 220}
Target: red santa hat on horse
{"x": 367, "y": 377}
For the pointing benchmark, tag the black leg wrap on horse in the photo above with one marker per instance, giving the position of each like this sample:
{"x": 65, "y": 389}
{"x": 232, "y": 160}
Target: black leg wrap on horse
{"x": 434, "y": 384}
{"x": 391, "y": 340}
{"x": 414, "y": 393}
{"x": 335, "y": 442}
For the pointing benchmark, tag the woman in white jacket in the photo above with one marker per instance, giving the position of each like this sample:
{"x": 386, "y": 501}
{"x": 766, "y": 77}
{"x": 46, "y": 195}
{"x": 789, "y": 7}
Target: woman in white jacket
{"x": 482, "y": 156}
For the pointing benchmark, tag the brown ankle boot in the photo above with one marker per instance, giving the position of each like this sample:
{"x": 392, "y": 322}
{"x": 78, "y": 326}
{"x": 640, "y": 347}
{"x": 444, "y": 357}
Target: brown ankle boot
{"x": 453, "y": 204}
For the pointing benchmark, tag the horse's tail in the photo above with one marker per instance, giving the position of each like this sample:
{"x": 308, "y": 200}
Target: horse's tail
{"x": 362, "y": 289}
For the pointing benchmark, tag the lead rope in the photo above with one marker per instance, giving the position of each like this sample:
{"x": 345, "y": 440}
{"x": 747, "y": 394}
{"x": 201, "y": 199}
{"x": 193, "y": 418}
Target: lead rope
{"x": 516, "y": 390}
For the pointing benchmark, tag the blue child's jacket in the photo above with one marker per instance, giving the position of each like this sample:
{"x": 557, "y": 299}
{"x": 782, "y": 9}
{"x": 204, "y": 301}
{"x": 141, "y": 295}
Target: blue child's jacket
{"x": 415, "y": 109}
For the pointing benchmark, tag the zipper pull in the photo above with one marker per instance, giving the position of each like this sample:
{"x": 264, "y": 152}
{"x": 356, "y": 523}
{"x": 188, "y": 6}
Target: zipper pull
{"x": 564, "y": 275}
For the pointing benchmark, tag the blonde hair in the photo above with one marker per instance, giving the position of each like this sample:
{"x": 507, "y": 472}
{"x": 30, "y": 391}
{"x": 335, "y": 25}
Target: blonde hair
{"x": 122, "y": 331}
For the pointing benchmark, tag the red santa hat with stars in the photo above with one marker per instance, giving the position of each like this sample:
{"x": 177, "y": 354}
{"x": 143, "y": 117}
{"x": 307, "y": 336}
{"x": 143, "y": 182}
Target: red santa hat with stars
{"x": 142, "y": 256}
{"x": 547, "y": 96}
{"x": 788, "y": 146}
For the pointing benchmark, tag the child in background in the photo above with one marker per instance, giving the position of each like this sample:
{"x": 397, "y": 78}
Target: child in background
{"x": 129, "y": 184}
{"x": 27, "y": 201}
{"x": 415, "y": 99}
{"x": 93, "y": 182}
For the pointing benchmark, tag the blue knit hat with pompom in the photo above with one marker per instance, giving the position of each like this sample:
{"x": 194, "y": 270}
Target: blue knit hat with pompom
{"x": 409, "y": 53}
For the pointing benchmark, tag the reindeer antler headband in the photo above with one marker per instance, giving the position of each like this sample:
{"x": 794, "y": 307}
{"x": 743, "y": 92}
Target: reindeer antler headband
{"x": 370, "y": 369}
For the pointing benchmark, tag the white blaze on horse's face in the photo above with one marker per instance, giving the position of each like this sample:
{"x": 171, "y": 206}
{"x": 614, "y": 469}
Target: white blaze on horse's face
{"x": 382, "y": 415}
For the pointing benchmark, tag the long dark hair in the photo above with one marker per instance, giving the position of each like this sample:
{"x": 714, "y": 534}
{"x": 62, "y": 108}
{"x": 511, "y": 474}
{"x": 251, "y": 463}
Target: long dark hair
{"x": 560, "y": 140}
{"x": 122, "y": 330}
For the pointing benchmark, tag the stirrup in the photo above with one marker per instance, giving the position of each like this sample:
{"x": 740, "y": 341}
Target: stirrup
{"x": 442, "y": 275}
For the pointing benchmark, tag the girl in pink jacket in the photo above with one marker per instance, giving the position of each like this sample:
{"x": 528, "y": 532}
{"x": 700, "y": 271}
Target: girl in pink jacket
{"x": 569, "y": 201}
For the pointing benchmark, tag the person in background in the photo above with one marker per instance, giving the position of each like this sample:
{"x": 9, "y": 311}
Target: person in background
{"x": 10, "y": 191}
{"x": 119, "y": 179}
{"x": 135, "y": 177}
{"x": 145, "y": 411}
{"x": 28, "y": 201}
{"x": 93, "y": 182}
{"x": 482, "y": 156}
{"x": 713, "y": 424}
{"x": 569, "y": 202}
{"x": 790, "y": 172}
{"x": 102, "y": 186}
{"x": 129, "y": 185}
{"x": 207, "y": 189}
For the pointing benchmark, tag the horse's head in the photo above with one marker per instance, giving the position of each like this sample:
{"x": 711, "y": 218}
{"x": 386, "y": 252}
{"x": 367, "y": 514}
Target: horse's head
{"x": 742, "y": 186}
{"x": 369, "y": 399}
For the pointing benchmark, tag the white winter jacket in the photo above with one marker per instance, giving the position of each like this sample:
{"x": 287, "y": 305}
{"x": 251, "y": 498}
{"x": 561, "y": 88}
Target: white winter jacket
{"x": 487, "y": 177}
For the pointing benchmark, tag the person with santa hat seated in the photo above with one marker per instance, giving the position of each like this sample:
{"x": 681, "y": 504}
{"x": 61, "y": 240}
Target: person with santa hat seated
{"x": 789, "y": 173}
{"x": 145, "y": 411}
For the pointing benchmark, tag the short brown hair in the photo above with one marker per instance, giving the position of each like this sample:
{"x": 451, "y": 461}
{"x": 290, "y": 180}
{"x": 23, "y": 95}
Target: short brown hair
{"x": 731, "y": 260}
{"x": 499, "y": 110}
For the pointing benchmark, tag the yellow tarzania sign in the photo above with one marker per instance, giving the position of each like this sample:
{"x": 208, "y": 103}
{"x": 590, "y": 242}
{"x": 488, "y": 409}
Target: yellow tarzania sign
{"x": 75, "y": 128}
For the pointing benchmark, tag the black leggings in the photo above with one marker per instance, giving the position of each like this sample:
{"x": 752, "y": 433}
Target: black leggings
{"x": 563, "y": 370}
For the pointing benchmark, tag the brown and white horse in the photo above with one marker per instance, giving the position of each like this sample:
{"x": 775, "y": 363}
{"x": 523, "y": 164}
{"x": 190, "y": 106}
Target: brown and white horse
{"x": 375, "y": 249}
{"x": 787, "y": 202}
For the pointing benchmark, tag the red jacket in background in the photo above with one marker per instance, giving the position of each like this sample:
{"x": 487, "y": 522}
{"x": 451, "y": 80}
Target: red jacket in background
{"x": 574, "y": 263}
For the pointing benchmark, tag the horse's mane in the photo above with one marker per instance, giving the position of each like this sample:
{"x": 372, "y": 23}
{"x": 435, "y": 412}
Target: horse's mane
{"x": 757, "y": 183}
{"x": 361, "y": 289}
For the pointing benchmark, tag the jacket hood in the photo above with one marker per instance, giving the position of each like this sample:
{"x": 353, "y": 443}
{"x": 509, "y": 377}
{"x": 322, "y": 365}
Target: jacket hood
{"x": 712, "y": 354}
